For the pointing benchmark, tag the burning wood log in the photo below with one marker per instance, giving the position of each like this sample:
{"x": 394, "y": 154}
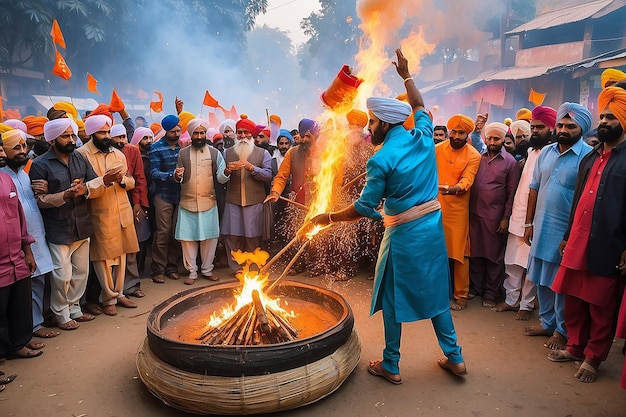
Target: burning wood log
{"x": 260, "y": 312}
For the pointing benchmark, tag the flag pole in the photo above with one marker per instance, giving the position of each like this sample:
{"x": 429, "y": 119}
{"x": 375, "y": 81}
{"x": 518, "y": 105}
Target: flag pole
{"x": 70, "y": 93}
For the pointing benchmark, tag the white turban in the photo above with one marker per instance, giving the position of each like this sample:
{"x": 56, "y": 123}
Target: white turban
{"x": 228, "y": 122}
{"x": 16, "y": 124}
{"x": 117, "y": 130}
{"x": 520, "y": 126}
{"x": 496, "y": 129}
{"x": 55, "y": 128}
{"x": 95, "y": 123}
{"x": 210, "y": 132}
{"x": 389, "y": 110}
{"x": 140, "y": 132}
{"x": 196, "y": 123}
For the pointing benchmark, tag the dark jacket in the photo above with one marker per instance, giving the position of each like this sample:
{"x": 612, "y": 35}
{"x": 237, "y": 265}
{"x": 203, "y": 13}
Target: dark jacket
{"x": 607, "y": 239}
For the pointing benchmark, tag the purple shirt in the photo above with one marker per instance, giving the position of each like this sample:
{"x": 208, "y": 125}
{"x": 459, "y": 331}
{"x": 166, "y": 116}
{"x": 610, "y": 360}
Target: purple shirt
{"x": 13, "y": 234}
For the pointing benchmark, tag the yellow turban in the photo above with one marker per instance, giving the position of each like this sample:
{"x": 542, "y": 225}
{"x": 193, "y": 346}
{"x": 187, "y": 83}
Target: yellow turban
{"x": 615, "y": 99}
{"x": 357, "y": 117}
{"x": 524, "y": 114}
{"x": 185, "y": 117}
{"x": 12, "y": 138}
{"x": 80, "y": 124}
{"x": 5, "y": 128}
{"x": 68, "y": 108}
{"x": 461, "y": 122}
{"x": 611, "y": 76}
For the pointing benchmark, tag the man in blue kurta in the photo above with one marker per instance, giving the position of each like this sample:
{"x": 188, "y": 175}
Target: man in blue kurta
{"x": 411, "y": 281}
{"x": 549, "y": 205}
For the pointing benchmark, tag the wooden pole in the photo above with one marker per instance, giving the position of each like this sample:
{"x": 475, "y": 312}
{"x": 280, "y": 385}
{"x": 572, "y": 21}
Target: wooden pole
{"x": 295, "y": 203}
{"x": 288, "y": 267}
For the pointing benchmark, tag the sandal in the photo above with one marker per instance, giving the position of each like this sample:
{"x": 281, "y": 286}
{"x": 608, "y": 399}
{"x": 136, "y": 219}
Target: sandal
{"x": 45, "y": 333}
{"x": 376, "y": 368}
{"x": 189, "y": 281}
{"x": 25, "y": 353}
{"x": 458, "y": 305}
{"x": 8, "y": 379}
{"x": 457, "y": 369}
{"x": 85, "y": 317}
{"x": 70, "y": 325}
{"x": 562, "y": 356}
{"x": 34, "y": 346}
{"x": 587, "y": 373}
{"x": 135, "y": 292}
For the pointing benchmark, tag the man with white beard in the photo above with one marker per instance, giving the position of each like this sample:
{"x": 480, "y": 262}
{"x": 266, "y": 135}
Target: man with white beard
{"x": 249, "y": 167}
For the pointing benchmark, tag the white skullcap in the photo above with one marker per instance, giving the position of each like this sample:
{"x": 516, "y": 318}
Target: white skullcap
{"x": 228, "y": 122}
{"x": 16, "y": 124}
{"x": 140, "y": 132}
{"x": 195, "y": 123}
{"x": 496, "y": 129}
{"x": 55, "y": 128}
{"x": 389, "y": 110}
{"x": 520, "y": 126}
{"x": 95, "y": 123}
{"x": 117, "y": 130}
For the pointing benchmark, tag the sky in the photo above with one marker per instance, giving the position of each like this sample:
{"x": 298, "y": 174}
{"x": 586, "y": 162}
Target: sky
{"x": 286, "y": 15}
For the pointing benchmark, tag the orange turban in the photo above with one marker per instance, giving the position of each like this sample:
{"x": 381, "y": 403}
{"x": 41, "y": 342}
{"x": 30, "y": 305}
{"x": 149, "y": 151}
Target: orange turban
{"x": 461, "y": 122}
{"x": 155, "y": 127}
{"x": 276, "y": 119}
{"x": 615, "y": 99}
{"x": 357, "y": 117}
{"x": 611, "y": 76}
{"x": 184, "y": 118}
{"x": 524, "y": 114}
{"x": 102, "y": 109}
{"x": 68, "y": 108}
{"x": 34, "y": 124}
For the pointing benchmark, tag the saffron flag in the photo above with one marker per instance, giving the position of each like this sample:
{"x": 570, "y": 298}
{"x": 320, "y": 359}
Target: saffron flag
{"x": 60, "y": 68}
{"x": 57, "y": 36}
{"x": 157, "y": 106}
{"x": 92, "y": 84}
{"x": 116, "y": 104}
{"x": 213, "y": 122}
{"x": 536, "y": 98}
{"x": 232, "y": 113}
{"x": 210, "y": 101}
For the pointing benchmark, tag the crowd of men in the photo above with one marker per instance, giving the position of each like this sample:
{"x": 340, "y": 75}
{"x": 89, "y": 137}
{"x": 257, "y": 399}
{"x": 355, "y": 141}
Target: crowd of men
{"x": 529, "y": 214}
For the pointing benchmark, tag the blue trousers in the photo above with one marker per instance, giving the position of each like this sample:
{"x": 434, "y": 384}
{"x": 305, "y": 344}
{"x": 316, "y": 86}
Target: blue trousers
{"x": 551, "y": 309}
{"x": 442, "y": 323}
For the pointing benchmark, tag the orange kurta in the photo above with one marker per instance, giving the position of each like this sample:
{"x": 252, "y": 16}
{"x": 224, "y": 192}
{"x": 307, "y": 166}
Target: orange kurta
{"x": 456, "y": 167}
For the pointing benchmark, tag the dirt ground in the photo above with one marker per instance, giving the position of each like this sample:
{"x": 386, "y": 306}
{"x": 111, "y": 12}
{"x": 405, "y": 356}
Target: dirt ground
{"x": 91, "y": 371}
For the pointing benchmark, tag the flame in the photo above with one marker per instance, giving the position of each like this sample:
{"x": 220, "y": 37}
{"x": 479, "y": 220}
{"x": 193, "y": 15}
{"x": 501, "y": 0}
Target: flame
{"x": 251, "y": 280}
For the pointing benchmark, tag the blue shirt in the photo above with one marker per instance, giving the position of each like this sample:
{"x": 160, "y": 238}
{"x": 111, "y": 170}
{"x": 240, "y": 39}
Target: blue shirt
{"x": 163, "y": 161}
{"x": 554, "y": 177}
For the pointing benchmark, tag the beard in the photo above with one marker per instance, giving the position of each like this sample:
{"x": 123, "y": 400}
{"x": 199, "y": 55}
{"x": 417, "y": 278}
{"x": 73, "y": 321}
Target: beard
{"x": 537, "y": 141}
{"x": 522, "y": 148}
{"x": 40, "y": 147}
{"x": 103, "y": 145}
{"x": 66, "y": 149}
{"x": 3, "y": 161}
{"x": 243, "y": 148}
{"x": 145, "y": 147}
{"x": 17, "y": 161}
{"x": 198, "y": 143}
{"x": 610, "y": 135}
{"x": 566, "y": 139}
{"x": 118, "y": 145}
{"x": 378, "y": 135}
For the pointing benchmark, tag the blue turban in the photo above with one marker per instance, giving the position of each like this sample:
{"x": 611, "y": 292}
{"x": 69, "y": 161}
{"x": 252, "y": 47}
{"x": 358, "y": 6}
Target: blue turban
{"x": 169, "y": 122}
{"x": 389, "y": 110}
{"x": 578, "y": 113}
{"x": 308, "y": 125}
{"x": 285, "y": 133}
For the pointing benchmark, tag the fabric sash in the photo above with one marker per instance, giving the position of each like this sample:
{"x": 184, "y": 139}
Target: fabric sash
{"x": 411, "y": 214}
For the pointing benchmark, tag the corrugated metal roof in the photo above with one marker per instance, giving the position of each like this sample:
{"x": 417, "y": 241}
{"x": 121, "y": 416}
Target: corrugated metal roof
{"x": 591, "y": 62}
{"x": 562, "y": 16}
{"x": 436, "y": 86}
{"x": 514, "y": 73}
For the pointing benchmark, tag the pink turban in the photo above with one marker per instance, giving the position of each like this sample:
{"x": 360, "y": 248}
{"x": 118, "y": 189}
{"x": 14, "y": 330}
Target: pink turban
{"x": 16, "y": 124}
{"x": 193, "y": 124}
{"x": 226, "y": 123}
{"x": 95, "y": 123}
{"x": 139, "y": 134}
{"x": 118, "y": 130}
{"x": 55, "y": 128}
{"x": 546, "y": 115}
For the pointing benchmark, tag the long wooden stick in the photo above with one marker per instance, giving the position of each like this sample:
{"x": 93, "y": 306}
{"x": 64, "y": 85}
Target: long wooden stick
{"x": 295, "y": 203}
{"x": 265, "y": 269}
{"x": 288, "y": 267}
{"x": 353, "y": 181}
